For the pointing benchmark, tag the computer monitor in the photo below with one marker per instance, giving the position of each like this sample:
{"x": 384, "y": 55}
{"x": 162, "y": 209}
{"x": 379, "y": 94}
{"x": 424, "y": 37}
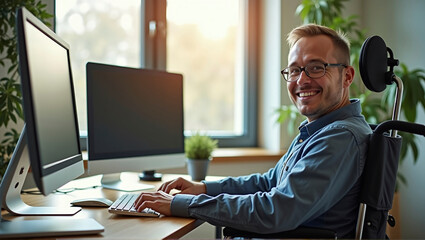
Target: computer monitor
{"x": 49, "y": 142}
{"x": 135, "y": 122}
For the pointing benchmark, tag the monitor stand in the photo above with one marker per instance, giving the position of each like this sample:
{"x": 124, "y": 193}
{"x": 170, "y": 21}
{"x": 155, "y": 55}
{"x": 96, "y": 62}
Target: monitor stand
{"x": 14, "y": 179}
{"x": 150, "y": 176}
{"x": 10, "y": 199}
{"x": 113, "y": 181}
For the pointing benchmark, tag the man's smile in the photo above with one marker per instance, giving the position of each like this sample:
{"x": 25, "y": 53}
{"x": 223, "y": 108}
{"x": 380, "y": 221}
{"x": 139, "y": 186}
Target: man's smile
{"x": 308, "y": 93}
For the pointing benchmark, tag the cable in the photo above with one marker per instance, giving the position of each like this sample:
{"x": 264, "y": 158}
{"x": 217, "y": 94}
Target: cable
{"x": 61, "y": 191}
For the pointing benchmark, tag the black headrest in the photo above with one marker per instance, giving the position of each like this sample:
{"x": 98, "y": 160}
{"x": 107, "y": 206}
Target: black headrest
{"x": 374, "y": 63}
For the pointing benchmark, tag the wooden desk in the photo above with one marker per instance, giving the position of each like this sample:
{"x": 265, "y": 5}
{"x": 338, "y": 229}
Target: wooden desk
{"x": 116, "y": 227}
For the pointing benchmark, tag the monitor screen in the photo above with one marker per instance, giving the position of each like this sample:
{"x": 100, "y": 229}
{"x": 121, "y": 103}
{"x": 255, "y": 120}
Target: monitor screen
{"x": 135, "y": 119}
{"x": 49, "y": 105}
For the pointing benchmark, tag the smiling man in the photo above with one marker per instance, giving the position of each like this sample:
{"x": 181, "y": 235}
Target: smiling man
{"x": 322, "y": 85}
{"x": 316, "y": 183}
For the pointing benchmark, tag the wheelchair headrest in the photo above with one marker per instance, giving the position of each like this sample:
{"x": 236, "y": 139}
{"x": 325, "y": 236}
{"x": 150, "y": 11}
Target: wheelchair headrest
{"x": 374, "y": 63}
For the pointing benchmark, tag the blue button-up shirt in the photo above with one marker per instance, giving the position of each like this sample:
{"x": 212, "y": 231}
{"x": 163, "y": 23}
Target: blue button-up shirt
{"x": 316, "y": 183}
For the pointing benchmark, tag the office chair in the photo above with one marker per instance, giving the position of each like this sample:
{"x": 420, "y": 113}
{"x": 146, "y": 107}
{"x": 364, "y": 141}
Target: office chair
{"x": 382, "y": 159}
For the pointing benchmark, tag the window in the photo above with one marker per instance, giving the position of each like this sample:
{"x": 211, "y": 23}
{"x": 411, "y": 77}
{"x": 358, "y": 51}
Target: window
{"x": 98, "y": 31}
{"x": 202, "y": 42}
{"x": 211, "y": 42}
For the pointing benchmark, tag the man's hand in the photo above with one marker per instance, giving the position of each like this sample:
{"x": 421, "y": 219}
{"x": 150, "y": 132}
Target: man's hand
{"x": 185, "y": 186}
{"x": 158, "y": 201}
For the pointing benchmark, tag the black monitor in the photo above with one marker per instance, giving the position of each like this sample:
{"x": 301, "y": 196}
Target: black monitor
{"x": 135, "y": 122}
{"x": 49, "y": 142}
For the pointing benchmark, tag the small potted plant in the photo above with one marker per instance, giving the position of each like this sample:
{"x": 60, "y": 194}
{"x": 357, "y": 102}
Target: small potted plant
{"x": 198, "y": 149}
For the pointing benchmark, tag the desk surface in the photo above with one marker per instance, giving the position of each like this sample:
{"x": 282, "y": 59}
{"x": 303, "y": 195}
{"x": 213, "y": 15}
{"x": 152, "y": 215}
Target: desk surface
{"x": 116, "y": 227}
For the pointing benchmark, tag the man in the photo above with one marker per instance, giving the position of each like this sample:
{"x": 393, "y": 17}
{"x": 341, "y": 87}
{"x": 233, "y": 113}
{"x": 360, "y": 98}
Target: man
{"x": 316, "y": 183}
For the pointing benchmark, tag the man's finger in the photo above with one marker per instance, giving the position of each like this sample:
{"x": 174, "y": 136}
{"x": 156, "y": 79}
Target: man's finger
{"x": 170, "y": 186}
{"x": 164, "y": 185}
{"x": 145, "y": 204}
{"x": 161, "y": 206}
{"x": 176, "y": 184}
{"x": 144, "y": 197}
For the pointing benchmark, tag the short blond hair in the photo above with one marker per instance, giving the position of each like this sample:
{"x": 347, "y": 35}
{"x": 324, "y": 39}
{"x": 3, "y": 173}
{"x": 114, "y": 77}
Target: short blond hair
{"x": 338, "y": 38}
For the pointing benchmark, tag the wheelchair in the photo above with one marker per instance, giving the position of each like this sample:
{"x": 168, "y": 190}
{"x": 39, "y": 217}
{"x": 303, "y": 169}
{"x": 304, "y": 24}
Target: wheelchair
{"x": 376, "y": 70}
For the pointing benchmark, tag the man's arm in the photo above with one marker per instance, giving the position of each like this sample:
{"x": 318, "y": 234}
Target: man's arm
{"x": 244, "y": 184}
{"x": 315, "y": 183}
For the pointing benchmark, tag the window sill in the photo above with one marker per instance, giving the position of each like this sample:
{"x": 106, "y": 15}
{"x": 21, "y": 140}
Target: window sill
{"x": 222, "y": 155}
{"x": 245, "y": 155}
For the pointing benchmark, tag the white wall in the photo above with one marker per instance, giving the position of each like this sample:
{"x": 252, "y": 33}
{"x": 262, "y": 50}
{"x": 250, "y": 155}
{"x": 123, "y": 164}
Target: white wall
{"x": 401, "y": 25}
{"x": 269, "y": 79}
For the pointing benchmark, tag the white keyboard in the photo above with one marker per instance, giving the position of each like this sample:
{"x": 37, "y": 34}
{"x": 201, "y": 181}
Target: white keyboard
{"x": 124, "y": 205}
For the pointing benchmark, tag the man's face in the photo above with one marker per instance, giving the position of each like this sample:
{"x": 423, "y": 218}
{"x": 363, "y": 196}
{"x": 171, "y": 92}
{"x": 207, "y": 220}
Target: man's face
{"x": 317, "y": 97}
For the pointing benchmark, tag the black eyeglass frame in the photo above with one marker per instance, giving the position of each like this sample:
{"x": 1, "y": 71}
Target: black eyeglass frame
{"x": 326, "y": 65}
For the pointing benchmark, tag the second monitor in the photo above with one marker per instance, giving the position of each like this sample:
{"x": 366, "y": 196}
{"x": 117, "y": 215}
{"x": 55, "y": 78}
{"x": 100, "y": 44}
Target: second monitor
{"x": 135, "y": 122}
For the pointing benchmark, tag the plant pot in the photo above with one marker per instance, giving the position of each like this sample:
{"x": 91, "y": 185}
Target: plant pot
{"x": 197, "y": 168}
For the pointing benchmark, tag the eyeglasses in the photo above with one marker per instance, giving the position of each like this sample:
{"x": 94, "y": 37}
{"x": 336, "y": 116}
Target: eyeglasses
{"x": 312, "y": 69}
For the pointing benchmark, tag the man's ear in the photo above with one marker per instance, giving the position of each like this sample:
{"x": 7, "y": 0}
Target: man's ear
{"x": 349, "y": 76}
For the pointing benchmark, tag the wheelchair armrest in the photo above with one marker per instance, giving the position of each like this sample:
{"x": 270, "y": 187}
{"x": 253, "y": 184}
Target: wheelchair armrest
{"x": 300, "y": 232}
{"x": 409, "y": 127}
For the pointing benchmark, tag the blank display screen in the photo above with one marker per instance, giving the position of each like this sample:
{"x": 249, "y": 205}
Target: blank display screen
{"x": 133, "y": 112}
{"x": 51, "y": 97}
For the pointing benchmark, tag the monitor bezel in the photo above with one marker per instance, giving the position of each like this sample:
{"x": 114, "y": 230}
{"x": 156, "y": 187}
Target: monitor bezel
{"x": 75, "y": 161}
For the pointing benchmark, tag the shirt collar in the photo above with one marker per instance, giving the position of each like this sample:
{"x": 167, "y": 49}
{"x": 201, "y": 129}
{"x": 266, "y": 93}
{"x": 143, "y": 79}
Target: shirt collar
{"x": 351, "y": 110}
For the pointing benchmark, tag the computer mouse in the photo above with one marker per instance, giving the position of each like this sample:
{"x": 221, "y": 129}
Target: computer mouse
{"x": 92, "y": 202}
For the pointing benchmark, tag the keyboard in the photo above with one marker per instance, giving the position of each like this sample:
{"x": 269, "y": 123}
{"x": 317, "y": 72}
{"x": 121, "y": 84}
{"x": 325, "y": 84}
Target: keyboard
{"x": 124, "y": 205}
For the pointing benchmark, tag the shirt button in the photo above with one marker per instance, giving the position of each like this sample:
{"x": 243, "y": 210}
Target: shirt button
{"x": 300, "y": 141}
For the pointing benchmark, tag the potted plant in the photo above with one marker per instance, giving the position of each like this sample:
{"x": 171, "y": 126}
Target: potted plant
{"x": 198, "y": 149}
{"x": 10, "y": 87}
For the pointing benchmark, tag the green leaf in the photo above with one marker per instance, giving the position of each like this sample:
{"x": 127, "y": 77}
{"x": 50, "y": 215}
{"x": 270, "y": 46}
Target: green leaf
{"x": 3, "y": 119}
{"x": 319, "y": 17}
{"x": 13, "y": 117}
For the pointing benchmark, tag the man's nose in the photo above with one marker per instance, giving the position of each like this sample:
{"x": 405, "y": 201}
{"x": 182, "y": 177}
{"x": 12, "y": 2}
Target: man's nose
{"x": 304, "y": 78}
